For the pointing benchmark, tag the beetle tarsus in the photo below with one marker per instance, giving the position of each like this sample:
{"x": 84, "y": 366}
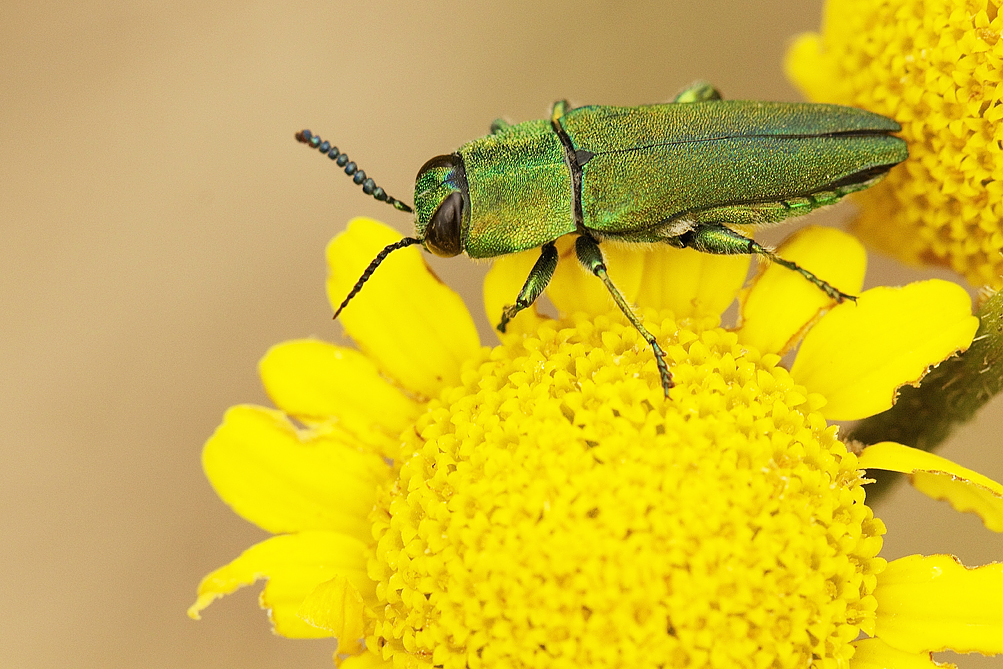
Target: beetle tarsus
{"x": 831, "y": 291}
{"x": 663, "y": 368}
{"x": 683, "y": 173}
{"x": 711, "y": 237}
{"x": 839, "y": 295}
{"x": 537, "y": 281}
{"x": 591, "y": 258}
{"x": 508, "y": 313}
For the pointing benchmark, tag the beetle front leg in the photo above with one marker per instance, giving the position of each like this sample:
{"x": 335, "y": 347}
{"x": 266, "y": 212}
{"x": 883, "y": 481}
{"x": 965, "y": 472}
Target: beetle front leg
{"x": 499, "y": 125}
{"x": 537, "y": 281}
{"x": 718, "y": 239}
{"x": 591, "y": 259}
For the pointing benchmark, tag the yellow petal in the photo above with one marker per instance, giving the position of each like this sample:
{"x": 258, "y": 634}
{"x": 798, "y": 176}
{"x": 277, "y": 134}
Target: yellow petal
{"x": 294, "y": 564}
{"x": 940, "y": 479}
{"x": 314, "y": 381}
{"x": 367, "y": 660}
{"x": 876, "y": 654}
{"x": 932, "y": 603}
{"x": 259, "y": 465}
{"x": 502, "y": 285}
{"x": 781, "y": 303}
{"x": 337, "y": 607}
{"x": 809, "y": 69}
{"x": 859, "y": 354}
{"x": 405, "y": 319}
{"x": 575, "y": 289}
{"x": 690, "y": 283}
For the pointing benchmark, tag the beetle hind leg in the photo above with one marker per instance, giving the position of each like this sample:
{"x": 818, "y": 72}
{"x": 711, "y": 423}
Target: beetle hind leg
{"x": 698, "y": 91}
{"x": 537, "y": 281}
{"x": 591, "y": 258}
{"x": 721, "y": 240}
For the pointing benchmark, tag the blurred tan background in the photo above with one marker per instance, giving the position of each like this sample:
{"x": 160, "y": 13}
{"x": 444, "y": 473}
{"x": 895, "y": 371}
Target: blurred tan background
{"x": 161, "y": 228}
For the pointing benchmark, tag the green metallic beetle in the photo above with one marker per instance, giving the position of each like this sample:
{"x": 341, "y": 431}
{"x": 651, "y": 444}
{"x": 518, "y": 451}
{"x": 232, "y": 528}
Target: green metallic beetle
{"x": 678, "y": 173}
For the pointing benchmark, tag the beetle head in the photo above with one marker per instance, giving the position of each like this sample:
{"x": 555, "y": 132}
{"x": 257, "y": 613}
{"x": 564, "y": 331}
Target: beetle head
{"x": 442, "y": 205}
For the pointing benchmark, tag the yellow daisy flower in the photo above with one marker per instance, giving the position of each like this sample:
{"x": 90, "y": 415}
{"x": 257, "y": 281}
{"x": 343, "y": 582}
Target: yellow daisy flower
{"x": 936, "y": 68}
{"x": 541, "y": 504}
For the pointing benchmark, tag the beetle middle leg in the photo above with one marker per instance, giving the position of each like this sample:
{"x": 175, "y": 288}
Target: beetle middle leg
{"x": 537, "y": 281}
{"x": 722, "y": 240}
{"x": 560, "y": 108}
{"x": 591, "y": 258}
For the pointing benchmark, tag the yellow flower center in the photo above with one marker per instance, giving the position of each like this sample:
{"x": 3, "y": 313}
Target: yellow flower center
{"x": 554, "y": 510}
{"x": 935, "y": 68}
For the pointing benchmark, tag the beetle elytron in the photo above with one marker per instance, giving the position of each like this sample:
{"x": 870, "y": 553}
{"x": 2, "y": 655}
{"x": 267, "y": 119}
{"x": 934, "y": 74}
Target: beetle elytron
{"x": 678, "y": 173}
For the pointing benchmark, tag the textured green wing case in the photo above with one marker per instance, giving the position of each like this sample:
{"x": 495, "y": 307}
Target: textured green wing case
{"x": 656, "y": 163}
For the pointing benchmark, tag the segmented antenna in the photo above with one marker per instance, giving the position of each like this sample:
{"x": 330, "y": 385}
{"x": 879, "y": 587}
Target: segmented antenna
{"x": 380, "y": 257}
{"x": 369, "y": 186}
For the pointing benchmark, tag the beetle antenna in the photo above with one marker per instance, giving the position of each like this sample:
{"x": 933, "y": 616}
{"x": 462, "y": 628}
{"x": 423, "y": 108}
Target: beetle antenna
{"x": 380, "y": 257}
{"x": 369, "y": 186}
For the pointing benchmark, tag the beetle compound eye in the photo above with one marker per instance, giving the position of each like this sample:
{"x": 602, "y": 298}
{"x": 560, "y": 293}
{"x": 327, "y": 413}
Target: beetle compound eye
{"x": 732, "y": 163}
{"x": 449, "y": 160}
{"x": 443, "y": 234}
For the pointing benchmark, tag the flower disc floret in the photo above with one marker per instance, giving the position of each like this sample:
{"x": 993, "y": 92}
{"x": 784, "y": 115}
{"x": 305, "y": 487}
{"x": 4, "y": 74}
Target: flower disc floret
{"x": 554, "y": 510}
{"x": 541, "y": 504}
{"x": 936, "y": 67}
